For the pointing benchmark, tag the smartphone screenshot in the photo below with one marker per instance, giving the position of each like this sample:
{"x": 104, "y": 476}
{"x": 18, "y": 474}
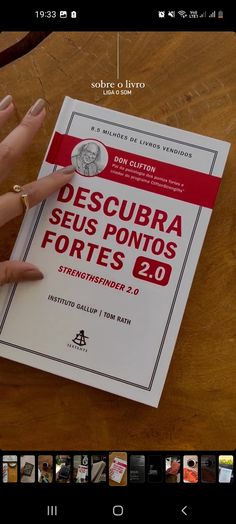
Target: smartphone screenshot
{"x": 117, "y": 263}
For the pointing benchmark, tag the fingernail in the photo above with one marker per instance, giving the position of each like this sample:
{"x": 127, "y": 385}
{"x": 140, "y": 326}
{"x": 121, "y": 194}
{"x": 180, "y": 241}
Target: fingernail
{"x": 37, "y": 107}
{"x": 68, "y": 170}
{"x": 5, "y": 102}
{"x": 32, "y": 274}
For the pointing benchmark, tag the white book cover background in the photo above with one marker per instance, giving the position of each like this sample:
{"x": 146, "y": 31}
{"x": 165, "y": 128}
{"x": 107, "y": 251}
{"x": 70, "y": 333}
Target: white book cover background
{"x": 117, "y": 469}
{"x": 117, "y": 337}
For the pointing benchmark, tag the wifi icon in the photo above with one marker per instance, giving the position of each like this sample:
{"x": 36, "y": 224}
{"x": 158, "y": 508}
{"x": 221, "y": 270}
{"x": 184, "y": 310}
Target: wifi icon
{"x": 182, "y": 13}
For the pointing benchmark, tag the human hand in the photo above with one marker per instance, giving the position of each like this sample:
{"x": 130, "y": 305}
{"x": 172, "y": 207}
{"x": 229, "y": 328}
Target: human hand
{"x": 11, "y": 204}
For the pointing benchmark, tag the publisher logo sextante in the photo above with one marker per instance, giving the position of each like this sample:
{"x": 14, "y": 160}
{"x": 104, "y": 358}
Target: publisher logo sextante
{"x": 79, "y": 341}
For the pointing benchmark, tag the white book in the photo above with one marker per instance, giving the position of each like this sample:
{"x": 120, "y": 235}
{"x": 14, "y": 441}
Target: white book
{"x": 118, "y": 247}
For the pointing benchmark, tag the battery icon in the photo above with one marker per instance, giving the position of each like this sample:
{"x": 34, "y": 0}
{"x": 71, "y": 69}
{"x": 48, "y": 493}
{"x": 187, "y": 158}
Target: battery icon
{"x": 220, "y": 14}
{"x": 73, "y": 14}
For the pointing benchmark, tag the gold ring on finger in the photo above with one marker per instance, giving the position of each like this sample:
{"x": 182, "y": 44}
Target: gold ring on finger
{"x": 23, "y": 196}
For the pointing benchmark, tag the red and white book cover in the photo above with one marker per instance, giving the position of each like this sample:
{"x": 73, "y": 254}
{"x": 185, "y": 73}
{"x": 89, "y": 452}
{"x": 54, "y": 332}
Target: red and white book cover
{"x": 118, "y": 246}
{"x": 117, "y": 470}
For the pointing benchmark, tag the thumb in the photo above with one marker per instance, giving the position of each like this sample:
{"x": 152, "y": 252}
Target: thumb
{"x": 14, "y": 271}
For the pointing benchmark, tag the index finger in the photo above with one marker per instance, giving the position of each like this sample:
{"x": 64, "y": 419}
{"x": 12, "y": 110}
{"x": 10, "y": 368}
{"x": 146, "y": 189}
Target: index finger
{"x": 11, "y": 205}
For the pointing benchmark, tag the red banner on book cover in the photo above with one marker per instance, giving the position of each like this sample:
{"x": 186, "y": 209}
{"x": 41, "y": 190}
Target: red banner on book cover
{"x": 144, "y": 173}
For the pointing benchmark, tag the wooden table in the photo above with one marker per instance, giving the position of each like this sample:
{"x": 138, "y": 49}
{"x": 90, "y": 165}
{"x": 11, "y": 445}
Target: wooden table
{"x": 190, "y": 83}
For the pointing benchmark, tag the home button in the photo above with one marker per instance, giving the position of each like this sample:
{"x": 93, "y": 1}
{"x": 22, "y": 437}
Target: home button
{"x": 118, "y": 510}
